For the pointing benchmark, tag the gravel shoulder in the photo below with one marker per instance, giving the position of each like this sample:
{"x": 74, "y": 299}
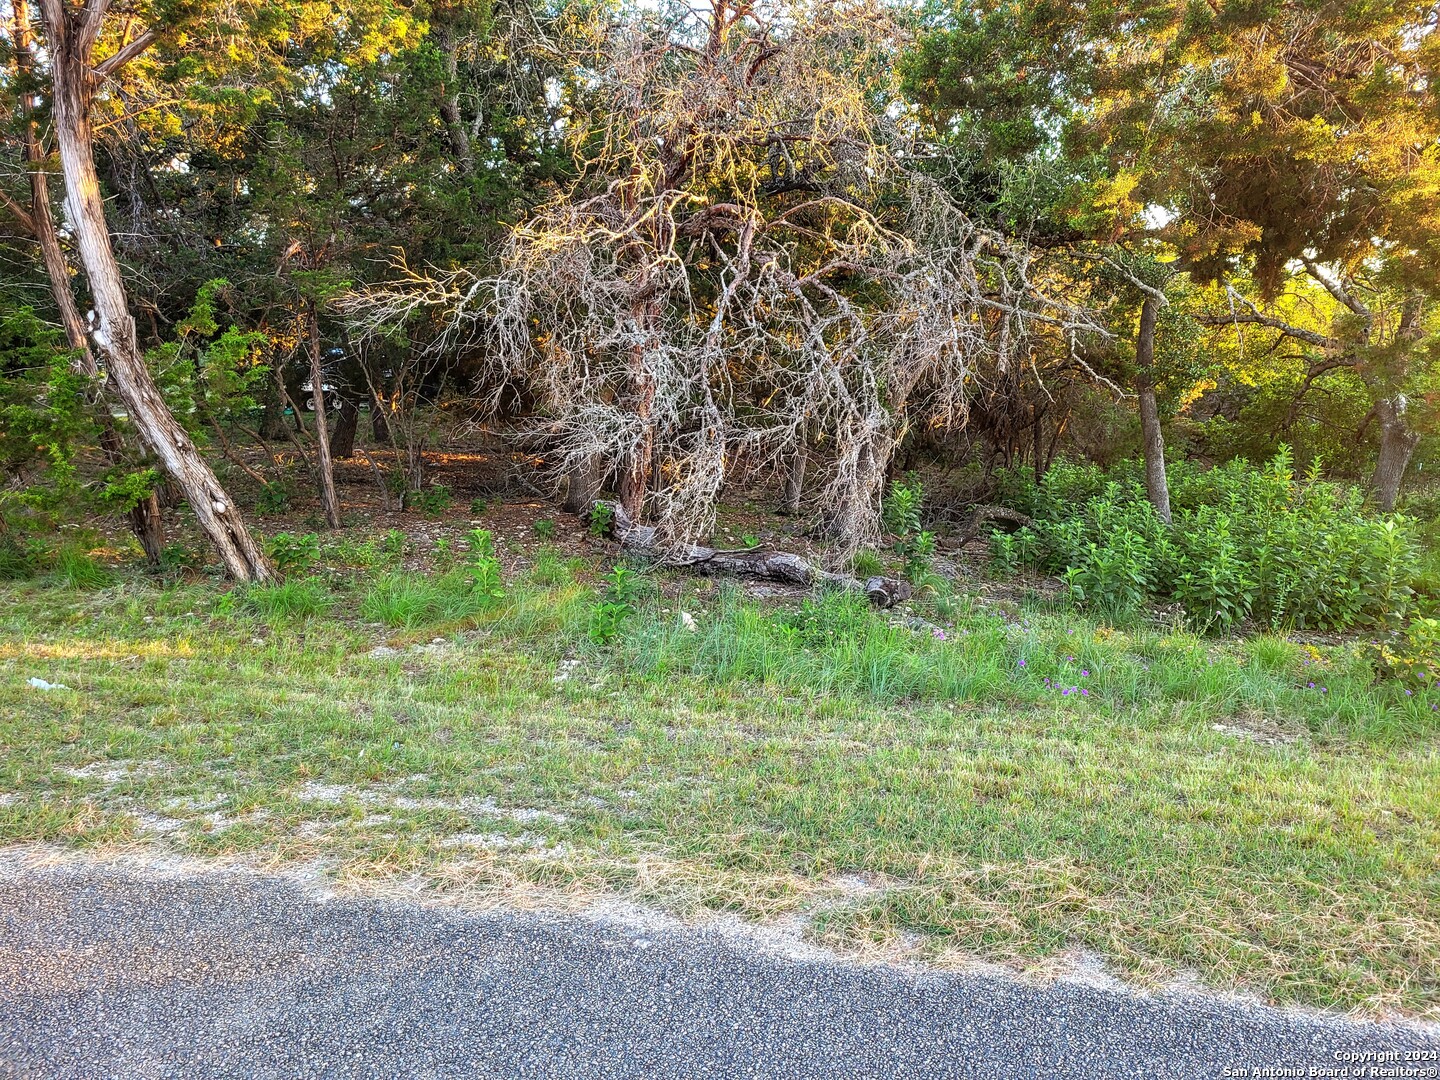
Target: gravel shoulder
{"x": 118, "y": 969}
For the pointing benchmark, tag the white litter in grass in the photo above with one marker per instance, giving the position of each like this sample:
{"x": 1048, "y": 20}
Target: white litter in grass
{"x": 41, "y": 684}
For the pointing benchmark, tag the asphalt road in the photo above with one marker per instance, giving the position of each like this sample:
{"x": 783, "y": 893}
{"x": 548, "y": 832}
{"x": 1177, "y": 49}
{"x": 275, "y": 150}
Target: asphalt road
{"x": 113, "y": 972}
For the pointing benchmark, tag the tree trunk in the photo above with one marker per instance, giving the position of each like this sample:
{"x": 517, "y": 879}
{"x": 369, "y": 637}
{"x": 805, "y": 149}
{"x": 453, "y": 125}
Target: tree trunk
{"x": 583, "y": 484}
{"x": 379, "y": 425}
{"x": 346, "y": 425}
{"x": 1156, "y": 485}
{"x": 635, "y": 476}
{"x": 1397, "y": 443}
{"x": 272, "y": 420}
{"x": 450, "y": 104}
{"x": 795, "y": 477}
{"x": 325, "y": 467}
{"x": 71, "y": 34}
{"x": 145, "y": 517}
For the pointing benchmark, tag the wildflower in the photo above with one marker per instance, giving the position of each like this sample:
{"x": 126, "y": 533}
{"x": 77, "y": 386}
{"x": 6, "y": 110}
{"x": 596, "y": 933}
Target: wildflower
{"x": 1065, "y": 692}
{"x": 1084, "y": 693}
{"x": 938, "y": 634}
{"x": 1021, "y": 662}
{"x": 1409, "y": 693}
{"x": 1311, "y": 685}
{"x": 1084, "y": 673}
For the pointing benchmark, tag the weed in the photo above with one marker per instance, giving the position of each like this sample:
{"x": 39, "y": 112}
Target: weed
{"x": 615, "y": 606}
{"x": 602, "y": 517}
{"x": 545, "y": 529}
{"x": 274, "y": 498}
{"x": 290, "y": 553}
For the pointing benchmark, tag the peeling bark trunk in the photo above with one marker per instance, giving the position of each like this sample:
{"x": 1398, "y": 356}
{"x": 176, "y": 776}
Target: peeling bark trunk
{"x": 379, "y": 425}
{"x": 272, "y": 420}
{"x": 1397, "y": 444}
{"x": 1156, "y": 485}
{"x": 145, "y": 518}
{"x": 635, "y": 478}
{"x": 324, "y": 466}
{"x": 71, "y": 34}
{"x": 760, "y": 563}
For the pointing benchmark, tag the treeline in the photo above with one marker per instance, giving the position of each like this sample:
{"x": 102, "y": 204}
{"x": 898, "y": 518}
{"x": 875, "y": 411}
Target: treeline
{"x": 676, "y": 249}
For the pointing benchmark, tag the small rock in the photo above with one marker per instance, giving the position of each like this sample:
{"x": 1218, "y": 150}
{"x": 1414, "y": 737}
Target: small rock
{"x": 381, "y": 652}
{"x": 687, "y": 621}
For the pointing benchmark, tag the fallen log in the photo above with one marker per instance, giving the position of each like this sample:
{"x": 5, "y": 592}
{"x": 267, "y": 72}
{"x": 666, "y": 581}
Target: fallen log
{"x": 762, "y": 564}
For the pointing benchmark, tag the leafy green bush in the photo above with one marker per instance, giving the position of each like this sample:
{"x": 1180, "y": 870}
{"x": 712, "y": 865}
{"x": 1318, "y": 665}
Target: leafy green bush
{"x": 290, "y": 552}
{"x": 602, "y": 515}
{"x": 616, "y": 604}
{"x": 1411, "y": 655}
{"x": 900, "y": 512}
{"x": 545, "y": 529}
{"x": 1247, "y": 543}
{"x": 273, "y": 499}
{"x": 433, "y": 501}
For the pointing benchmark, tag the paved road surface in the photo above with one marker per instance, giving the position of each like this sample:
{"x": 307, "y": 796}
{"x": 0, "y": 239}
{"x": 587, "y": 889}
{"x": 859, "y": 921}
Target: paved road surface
{"x": 108, "y": 971}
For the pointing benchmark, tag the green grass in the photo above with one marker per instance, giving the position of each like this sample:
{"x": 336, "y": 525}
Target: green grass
{"x": 1200, "y": 809}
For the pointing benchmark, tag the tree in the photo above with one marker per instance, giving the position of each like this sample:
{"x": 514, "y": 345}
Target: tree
{"x": 37, "y": 219}
{"x": 71, "y": 35}
{"x": 747, "y": 257}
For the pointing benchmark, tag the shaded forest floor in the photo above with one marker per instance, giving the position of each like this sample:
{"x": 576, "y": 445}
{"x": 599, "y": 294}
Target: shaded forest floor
{"x": 988, "y": 777}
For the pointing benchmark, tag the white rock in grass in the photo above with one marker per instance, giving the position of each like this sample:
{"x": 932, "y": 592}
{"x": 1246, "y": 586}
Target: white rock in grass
{"x": 41, "y": 684}
{"x": 687, "y": 621}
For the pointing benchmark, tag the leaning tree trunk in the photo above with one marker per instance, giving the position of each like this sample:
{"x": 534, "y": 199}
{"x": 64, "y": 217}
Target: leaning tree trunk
{"x": 325, "y": 466}
{"x": 71, "y": 35}
{"x": 1397, "y": 444}
{"x": 145, "y": 516}
{"x": 1156, "y": 486}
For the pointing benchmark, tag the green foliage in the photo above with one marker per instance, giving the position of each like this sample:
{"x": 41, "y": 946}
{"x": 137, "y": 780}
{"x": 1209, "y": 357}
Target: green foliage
{"x": 290, "y": 553}
{"x": 1247, "y": 543}
{"x": 274, "y": 498}
{"x": 545, "y": 529}
{"x": 615, "y": 606}
{"x": 602, "y": 516}
{"x": 867, "y": 563}
{"x": 900, "y": 512}
{"x": 433, "y": 501}
{"x": 485, "y": 567}
{"x": 479, "y": 506}
{"x": 302, "y": 598}
{"x": 76, "y": 568}
{"x": 1411, "y": 656}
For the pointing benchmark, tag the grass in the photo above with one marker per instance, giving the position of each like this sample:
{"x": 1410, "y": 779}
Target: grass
{"x": 1199, "y": 808}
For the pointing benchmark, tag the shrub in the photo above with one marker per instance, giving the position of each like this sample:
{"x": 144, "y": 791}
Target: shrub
{"x": 545, "y": 529}
{"x": 273, "y": 499}
{"x": 433, "y": 501}
{"x": 616, "y": 604}
{"x": 602, "y": 515}
{"x": 900, "y": 512}
{"x": 290, "y": 552}
{"x": 1411, "y": 655}
{"x": 1246, "y": 542}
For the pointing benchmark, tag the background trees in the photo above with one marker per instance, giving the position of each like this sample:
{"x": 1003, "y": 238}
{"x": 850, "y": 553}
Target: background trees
{"x": 674, "y": 252}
